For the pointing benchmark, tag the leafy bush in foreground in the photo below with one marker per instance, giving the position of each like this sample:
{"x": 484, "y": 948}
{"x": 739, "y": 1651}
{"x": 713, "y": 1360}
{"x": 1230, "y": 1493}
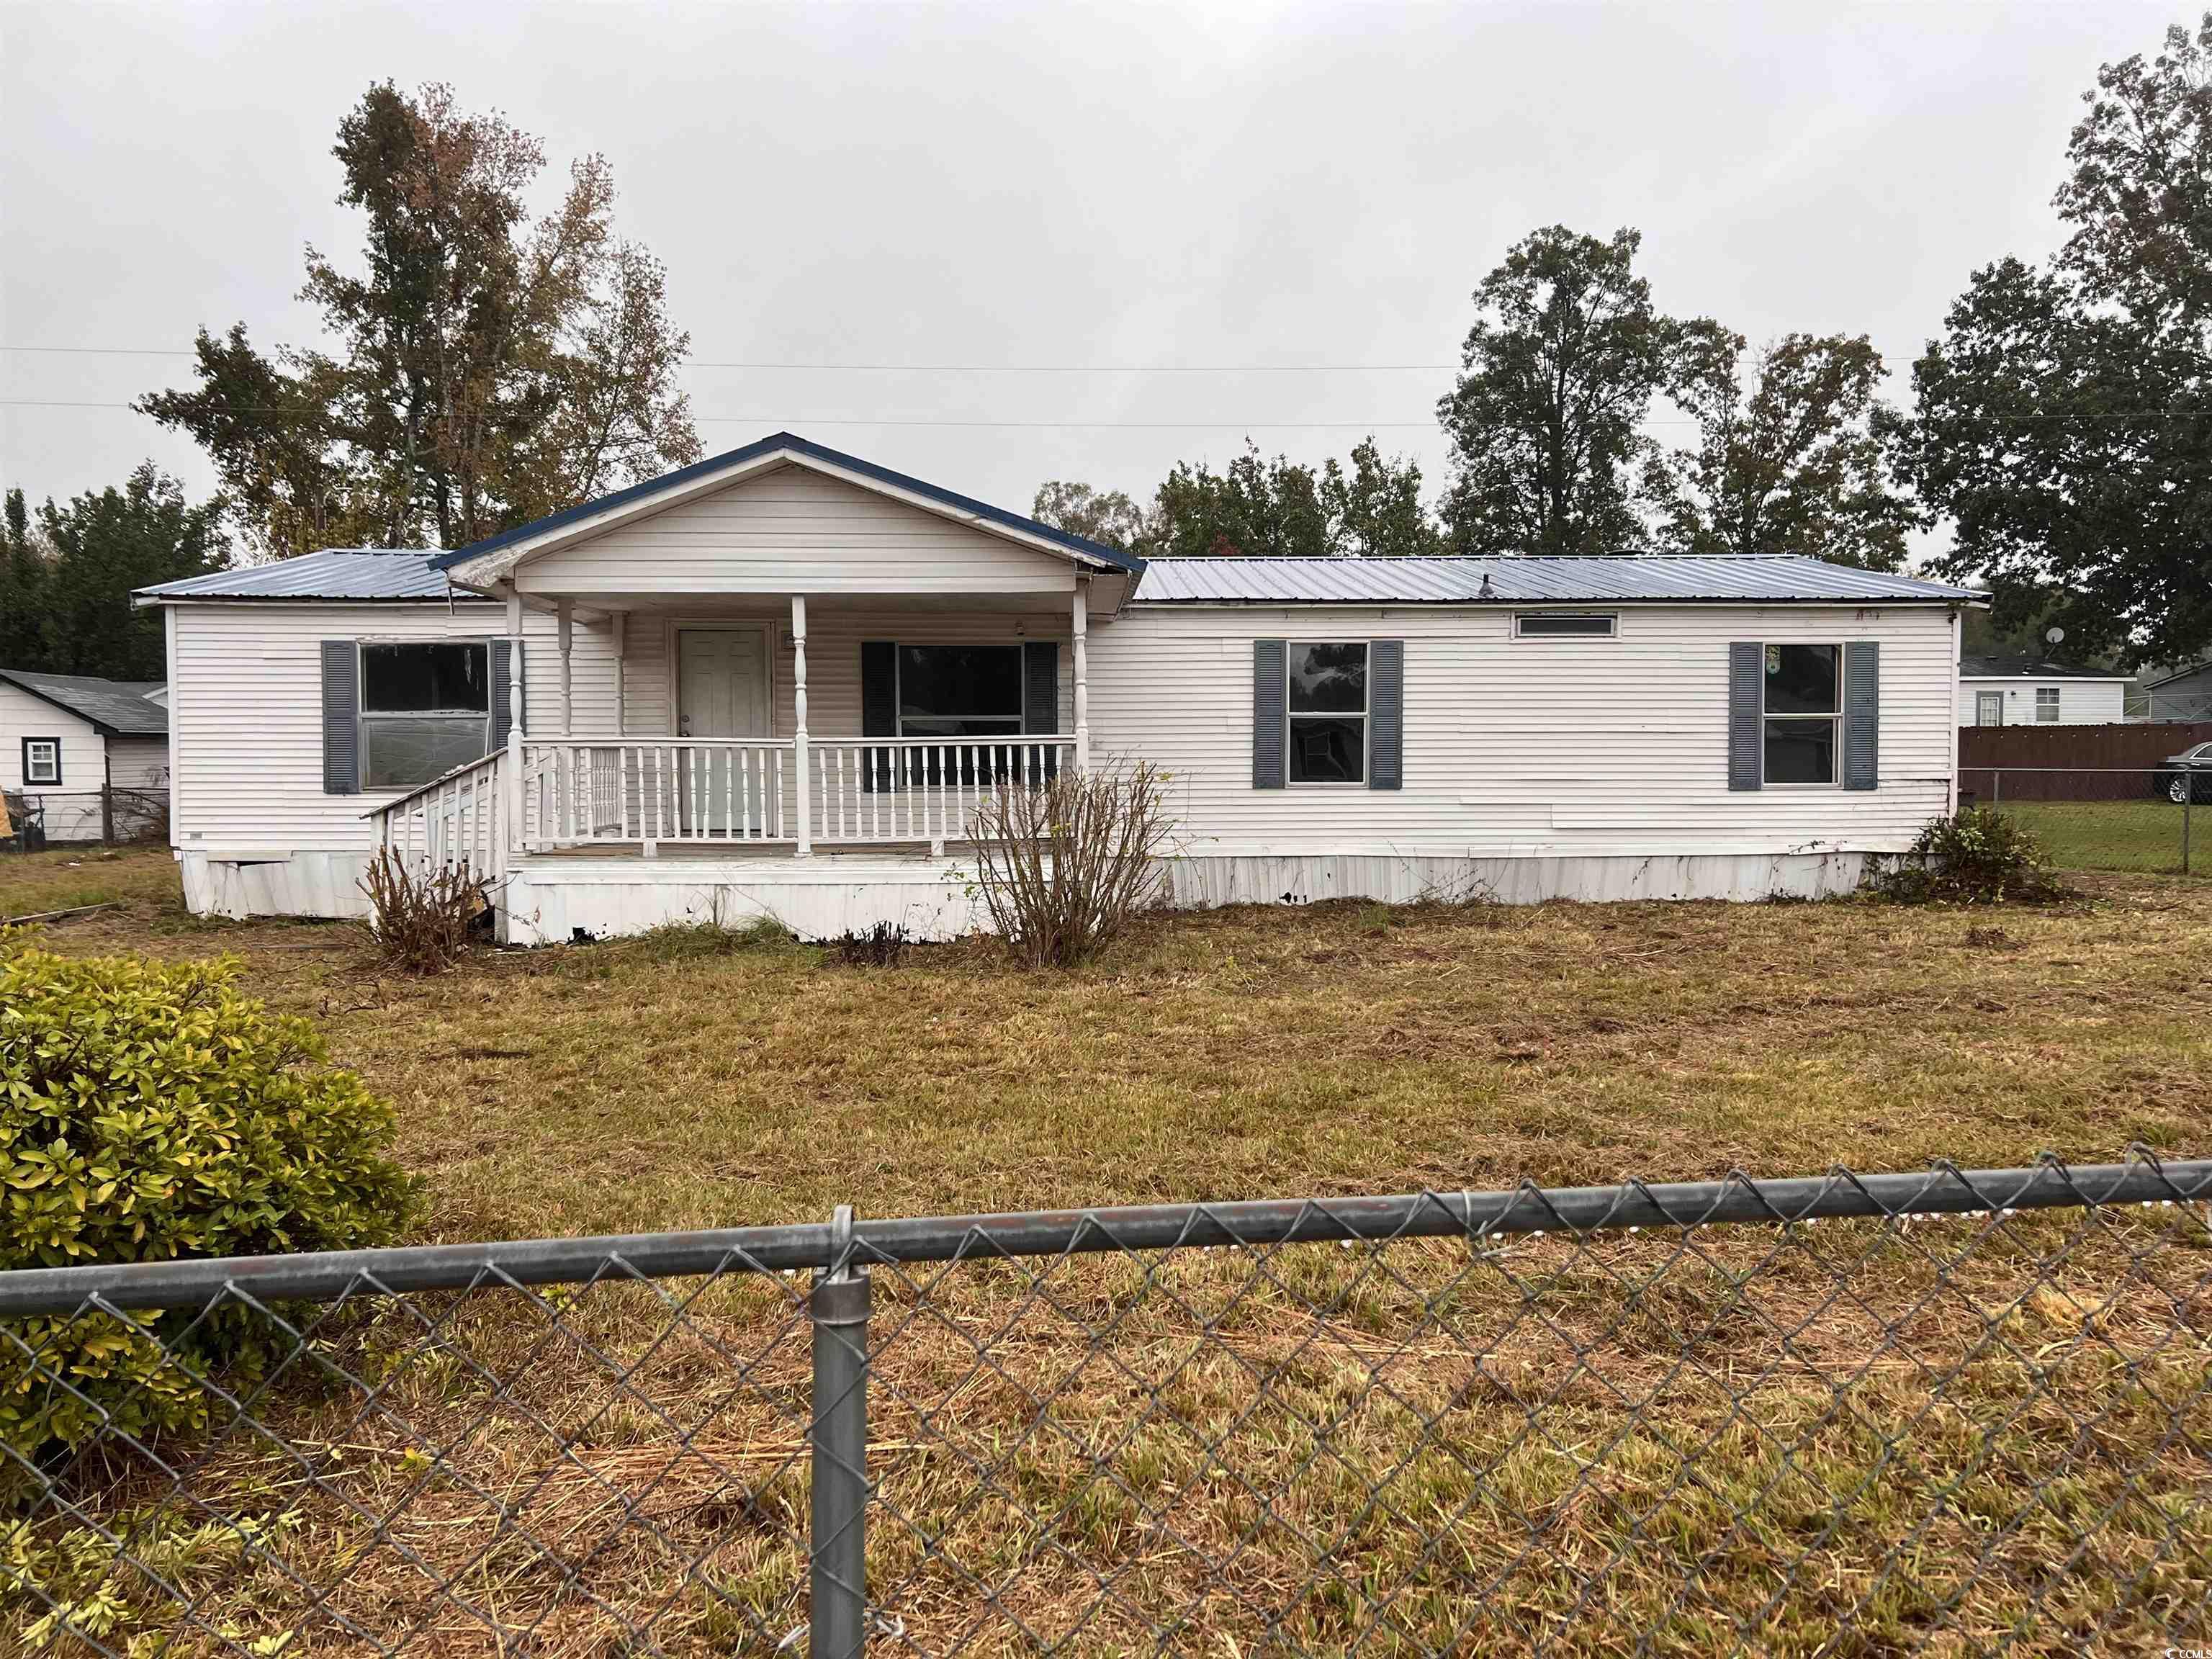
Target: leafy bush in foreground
{"x": 147, "y": 1111}
{"x": 1978, "y": 855}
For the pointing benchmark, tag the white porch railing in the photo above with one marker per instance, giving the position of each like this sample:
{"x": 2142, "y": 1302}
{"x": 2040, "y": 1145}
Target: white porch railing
{"x": 458, "y": 818}
{"x": 579, "y": 790}
{"x": 867, "y": 789}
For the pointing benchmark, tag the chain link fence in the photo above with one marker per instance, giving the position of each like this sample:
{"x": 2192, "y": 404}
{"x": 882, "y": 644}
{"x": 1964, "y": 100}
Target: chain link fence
{"x": 2145, "y": 818}
{"x": 1947, "y": 1412}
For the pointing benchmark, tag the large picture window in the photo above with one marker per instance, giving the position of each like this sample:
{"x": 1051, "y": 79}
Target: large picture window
{"x": 959, "y": 690}
{"x": 1803, "y": 713}
{"x": 1326, "y": 705}
{"x": 425, "y": 709}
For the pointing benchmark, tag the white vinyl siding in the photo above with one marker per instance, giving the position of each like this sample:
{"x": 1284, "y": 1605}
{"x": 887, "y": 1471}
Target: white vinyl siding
{"x": 2081, "y": 702}
{"x": 246, "y": 713}
{"x": 138, "y": 762}
{"x": 795, "y": 531}
{"x": 247, "y": 697}
{"x": 1614, "y": 747}
{"x": 72, "y": 807}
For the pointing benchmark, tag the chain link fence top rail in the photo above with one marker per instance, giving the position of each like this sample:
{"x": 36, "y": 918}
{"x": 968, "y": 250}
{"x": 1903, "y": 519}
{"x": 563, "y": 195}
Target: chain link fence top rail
{"x": 1949, "y": 1412}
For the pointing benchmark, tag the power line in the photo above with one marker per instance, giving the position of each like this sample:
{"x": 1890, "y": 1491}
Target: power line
{"x": 896, "y": 368}
{"x": 776, "y": 421}
{"x": 1143, "y": 426}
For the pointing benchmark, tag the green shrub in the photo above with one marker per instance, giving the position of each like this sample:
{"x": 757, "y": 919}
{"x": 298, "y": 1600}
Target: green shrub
{"x": 149, "y": 1111}
{"x": 1978, "y": 855}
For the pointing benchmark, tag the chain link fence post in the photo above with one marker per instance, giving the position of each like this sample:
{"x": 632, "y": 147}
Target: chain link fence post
{"x": 2188, "y": 796}
{"x": 837, "y": 1621}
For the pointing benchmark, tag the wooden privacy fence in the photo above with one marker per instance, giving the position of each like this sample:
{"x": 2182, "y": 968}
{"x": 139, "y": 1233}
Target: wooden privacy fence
{"x": 2072, "y": 762}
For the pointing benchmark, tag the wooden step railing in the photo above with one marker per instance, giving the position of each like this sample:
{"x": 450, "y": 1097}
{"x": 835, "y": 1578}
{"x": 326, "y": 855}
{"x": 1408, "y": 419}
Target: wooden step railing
{"x": 458, "y": 819}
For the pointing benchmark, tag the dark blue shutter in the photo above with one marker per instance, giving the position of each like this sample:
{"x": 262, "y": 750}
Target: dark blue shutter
{"x": 1040, "y": 705}
{"x": 1386, "y": 714}
{"x": 341, "y": 718}
{"x": 879, "y": 707}
{"x": 1862, "y": 715}
{"x": 1747, "y": 695}
{"x": 1268, "y": 668}
{"x": 502, "y": 705}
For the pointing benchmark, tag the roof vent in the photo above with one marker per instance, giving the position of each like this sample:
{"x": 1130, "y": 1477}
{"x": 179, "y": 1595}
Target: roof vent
{"x": 1486, "y": 591}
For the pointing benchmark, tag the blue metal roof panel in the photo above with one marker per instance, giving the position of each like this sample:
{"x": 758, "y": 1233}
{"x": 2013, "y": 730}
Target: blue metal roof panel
{"x": 336, "y": 572}
{"x": 1779, "y": 578}
{"x": 1082, "y": 545}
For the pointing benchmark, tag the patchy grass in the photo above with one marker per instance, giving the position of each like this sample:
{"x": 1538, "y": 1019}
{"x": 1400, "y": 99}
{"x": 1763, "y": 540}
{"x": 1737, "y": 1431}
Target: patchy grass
{"x": 689, "y": 1078}
{"x": 1745, "y": 1438}
{"x": 59, "y": 877}
{"x": 2116, "y": 834}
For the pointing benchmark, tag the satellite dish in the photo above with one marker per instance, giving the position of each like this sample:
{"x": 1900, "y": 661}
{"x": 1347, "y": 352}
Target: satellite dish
{"x": 2054, "y": 634}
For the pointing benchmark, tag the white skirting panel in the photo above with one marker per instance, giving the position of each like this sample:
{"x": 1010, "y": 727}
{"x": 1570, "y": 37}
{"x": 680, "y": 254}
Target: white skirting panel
{"x": 302, "y": 885}
{"x": 551, "y": 901}
{"x": 1198, "y": 883}
{"x": 558, "y": 900}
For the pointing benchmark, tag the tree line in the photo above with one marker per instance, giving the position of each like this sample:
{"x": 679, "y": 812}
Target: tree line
{"x": 487, "y": 366}
{"x": 2060, "y": 425}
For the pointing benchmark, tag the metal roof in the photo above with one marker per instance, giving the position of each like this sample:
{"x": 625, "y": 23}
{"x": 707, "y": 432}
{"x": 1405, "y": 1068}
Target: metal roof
{"x": 335, "y": 573}
{"x": 2028, "y": 668}
{"x": 1098, "y": 552}
{"x": 118, "y": 707}
{"x": 1762, "y": 579}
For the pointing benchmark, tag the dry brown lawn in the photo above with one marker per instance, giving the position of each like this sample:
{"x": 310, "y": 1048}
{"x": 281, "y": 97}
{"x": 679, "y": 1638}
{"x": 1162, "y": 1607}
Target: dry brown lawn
{"x": 685, "y": 1081}
{"x": 1833, "y": 1440}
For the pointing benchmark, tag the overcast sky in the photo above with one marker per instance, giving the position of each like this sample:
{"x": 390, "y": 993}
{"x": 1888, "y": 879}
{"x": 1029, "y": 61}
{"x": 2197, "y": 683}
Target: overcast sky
{"x": 981, "y": 186}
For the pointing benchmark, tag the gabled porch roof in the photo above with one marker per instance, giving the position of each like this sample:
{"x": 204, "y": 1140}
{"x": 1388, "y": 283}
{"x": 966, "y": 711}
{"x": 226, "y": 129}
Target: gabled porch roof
{"x": 493, "y": 560}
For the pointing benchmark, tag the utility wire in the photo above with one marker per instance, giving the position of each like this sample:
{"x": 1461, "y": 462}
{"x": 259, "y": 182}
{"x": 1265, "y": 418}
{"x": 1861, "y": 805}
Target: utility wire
{"x": 1140, "y": 426}
{"x": 903, "y": 368}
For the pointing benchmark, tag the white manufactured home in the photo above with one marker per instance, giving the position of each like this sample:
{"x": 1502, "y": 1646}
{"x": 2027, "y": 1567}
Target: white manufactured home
{"x": 778, "y": 683}
{"x": 2037, "y": 691}
{"x": 82, "y": 757}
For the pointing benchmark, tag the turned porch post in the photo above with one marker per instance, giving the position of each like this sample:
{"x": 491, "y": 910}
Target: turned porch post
{"x": 1082, "y": 620}
{"x": 798, "y": 723}
{"x": 513, "y": 792}
{"x": 565, "y": 612}
{"x": 617, "y": 626}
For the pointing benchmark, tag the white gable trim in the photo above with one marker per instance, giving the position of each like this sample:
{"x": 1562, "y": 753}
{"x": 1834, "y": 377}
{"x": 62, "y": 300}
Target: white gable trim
{"x": 500, "y": 563}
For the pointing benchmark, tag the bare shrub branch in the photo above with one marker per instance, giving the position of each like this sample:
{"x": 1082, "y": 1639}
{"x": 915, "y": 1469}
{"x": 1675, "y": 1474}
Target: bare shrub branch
{"x": 422, "y": 918}
{"x": 1064, "y": 866}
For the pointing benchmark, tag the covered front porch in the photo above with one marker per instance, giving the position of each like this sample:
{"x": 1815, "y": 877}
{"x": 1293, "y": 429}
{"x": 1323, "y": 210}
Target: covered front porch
{"x": 765, "y": 663}
{"x": 709, "y": 743}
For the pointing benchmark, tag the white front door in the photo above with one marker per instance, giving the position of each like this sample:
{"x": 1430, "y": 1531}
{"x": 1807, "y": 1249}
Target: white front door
{"x": 1989, "y": 708}
{"x": 721, "y": 691}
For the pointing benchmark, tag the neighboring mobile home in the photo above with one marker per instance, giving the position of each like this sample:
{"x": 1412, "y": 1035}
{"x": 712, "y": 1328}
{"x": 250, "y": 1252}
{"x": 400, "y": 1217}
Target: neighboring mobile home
{"x": 68, "y": 740}
{"x": 2037, "y": 691}
{"x": 776, "y": 682}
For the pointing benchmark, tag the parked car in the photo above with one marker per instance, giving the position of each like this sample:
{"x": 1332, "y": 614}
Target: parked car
{"x": 2191, "y": 774}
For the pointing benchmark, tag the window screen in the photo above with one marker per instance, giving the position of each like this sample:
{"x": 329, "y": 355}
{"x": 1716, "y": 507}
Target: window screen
{"x": 1566, "y": 624}
{"x": 959, "y": 690}
{"x": 425, "y": 709}
{"x": 1327, "y": 707}
{"x": 1803, "y": 713}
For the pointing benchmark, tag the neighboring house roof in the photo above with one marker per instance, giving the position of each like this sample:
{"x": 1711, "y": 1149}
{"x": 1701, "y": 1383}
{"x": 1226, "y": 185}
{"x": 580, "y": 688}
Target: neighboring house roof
{"x": 336, "y": 572}
{"x": 119, "y": 708}
{"x": 2188, "y": 672}
{"x": 2028, "y": 668}
{"x": 788, "y": 443}
{"x": 1772, "y": 579}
